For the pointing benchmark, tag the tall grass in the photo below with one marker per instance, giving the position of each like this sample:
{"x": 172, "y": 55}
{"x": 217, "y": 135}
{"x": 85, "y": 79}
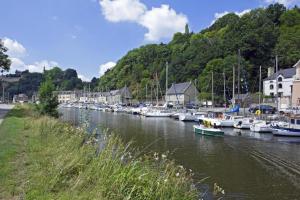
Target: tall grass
{"x": 64, "y": 162}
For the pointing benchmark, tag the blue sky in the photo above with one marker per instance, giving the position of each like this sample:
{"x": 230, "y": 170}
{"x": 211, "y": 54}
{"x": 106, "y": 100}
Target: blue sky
{"x": 88, "y": 35}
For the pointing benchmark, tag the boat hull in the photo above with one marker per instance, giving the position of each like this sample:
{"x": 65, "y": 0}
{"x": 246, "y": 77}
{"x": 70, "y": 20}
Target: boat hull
{"x": 278, "y": 131}
{"x": 207, "y": 131}
{"x": 186, "y": 117}
{"x": 260, "y": 128}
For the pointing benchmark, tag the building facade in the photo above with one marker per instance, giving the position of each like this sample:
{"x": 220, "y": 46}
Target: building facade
{"x": 20, "y": 98}
{"x": 296, "y": 87}
{"x": 120, "y": 96}
{"x": 182, "y": 93}
{"x": 283, "y": 86}
{"x": 68, "y": 96}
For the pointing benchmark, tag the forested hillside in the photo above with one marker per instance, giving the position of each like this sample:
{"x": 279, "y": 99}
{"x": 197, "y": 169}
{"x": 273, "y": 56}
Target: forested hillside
{"x": 259, "y": 35}
{"x": 29, "y": 83}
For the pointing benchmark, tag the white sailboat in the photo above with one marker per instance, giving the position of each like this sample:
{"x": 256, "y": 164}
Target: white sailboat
{"x": 261, "y": 126}
{"x": 243, "y": 123}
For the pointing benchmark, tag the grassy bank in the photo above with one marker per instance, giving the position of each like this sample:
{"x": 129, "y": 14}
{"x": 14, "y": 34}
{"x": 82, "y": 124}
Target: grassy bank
{"x": 42, "y": 158}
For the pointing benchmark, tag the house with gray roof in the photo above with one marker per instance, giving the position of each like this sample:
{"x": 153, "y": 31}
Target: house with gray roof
{"x": 120, "y": 96}
{"x": 182, "y": 93}
{"x": 283, "y": 85}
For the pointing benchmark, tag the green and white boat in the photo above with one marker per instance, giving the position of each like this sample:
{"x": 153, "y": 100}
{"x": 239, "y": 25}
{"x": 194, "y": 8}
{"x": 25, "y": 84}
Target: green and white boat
{"x": 201, "y": 129}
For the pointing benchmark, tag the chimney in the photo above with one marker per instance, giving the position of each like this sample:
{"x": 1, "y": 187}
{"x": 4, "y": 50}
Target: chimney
{"x": 297, "y": 66}
{"x": 270, "y": 71}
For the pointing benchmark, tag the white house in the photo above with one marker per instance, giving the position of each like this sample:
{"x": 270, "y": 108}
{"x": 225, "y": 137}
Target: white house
{"x": 285, "y": 78}
{"x": 182, "y": 93}
{"x": 296, "y": 87}
{"x": 68, "y": 96}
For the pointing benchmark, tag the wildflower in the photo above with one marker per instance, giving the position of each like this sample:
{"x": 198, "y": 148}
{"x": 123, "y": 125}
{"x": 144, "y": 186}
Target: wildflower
{"x": 223, "y": 192}
{"x": 181, "y": 167}
{"x": 165, "y": 180}
{"x": 122, "y": 158}
{"x": 163, "y": 156}
{"x": 177, "y": 174}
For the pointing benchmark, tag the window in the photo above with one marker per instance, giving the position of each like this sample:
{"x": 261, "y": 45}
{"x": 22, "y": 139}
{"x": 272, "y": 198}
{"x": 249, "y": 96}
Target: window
{"x": 271, "y": 87}
{"x": 279, "y": 94}
{"x": 292, "y": 121}
{"x": 298, "y": 121}
{"x": 279, "y": 85}
{"x": 272, "y": 94}
{"x": 280, "y": 79}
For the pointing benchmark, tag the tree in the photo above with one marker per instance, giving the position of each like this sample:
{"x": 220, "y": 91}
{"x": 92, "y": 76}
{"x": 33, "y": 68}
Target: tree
{"x": 48, "y": 101}
{"x": 5, "y": 62}
{"x": 288, "y": 46}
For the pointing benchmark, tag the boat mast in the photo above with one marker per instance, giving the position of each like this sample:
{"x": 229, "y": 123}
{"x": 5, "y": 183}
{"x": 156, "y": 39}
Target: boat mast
{"x": 146, "y": 91}
{"x": 151, "y": 88}
{"x": 259, "y": 100}
{"x": 276, "y": 65}
{"x": 224, "y": 87}
{"x": 195, "y": 82}
{"x": 156, "y": 89}
{"x": 167, "y": 68}
{"x": 239, "y": 75}
{"x": 233, "y": 85}
{"x": 212, "y": 88}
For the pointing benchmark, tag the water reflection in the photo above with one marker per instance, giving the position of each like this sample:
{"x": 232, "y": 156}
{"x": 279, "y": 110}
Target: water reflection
{"x": 247, "y": 165}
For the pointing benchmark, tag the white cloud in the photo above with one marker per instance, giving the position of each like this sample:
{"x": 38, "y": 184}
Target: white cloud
{"x": 162, "y": 22}
{"x": 40, "y": 65}
{"x": 219, "y": 15}
{"x": 122, "y": 10}
{"x": 17, "y": 64}
{"x": 73, "y": 37}
{"x": 83, "y": 78}
{"x": 54, "y": 18}
{"x": 284, "y": 2}
{"x": 104, "y": 67}
{"x": 15, "y": 49}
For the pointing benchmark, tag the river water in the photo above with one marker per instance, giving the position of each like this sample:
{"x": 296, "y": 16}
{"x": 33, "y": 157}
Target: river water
{"x": 246, "y": 165}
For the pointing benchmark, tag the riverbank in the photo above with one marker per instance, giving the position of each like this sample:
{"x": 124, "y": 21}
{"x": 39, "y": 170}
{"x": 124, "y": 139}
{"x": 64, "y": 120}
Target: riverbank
{"x": 42, "y": 158}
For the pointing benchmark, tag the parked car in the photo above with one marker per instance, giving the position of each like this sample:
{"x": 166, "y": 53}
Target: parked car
{"x": 191, "y": 106}
{"x": 265, "y": 109}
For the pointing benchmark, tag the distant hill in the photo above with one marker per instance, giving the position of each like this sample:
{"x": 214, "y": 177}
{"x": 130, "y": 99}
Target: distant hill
{"x": 29, "y": 83}
{"x": 260, "y": 35}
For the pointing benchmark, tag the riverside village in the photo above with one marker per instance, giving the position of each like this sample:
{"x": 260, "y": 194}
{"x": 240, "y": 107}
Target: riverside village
{"x": 189, "y": 110}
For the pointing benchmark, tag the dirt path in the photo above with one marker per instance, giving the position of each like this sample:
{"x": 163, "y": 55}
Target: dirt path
{"x": 4, "y": 108}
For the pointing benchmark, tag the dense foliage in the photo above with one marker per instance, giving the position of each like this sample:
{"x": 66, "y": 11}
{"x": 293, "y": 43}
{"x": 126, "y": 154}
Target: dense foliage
{"x": 5, "y": 62}
{"x": 48, "y": 101}
{"x": 259, "y": 35}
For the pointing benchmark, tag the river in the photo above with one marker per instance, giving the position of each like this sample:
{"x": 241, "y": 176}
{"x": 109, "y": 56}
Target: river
{"x": 246, "y": 165}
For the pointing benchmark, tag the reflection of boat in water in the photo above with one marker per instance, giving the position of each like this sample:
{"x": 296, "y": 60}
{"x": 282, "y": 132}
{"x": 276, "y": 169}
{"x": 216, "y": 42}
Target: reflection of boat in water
{"x": 205, "y": 129}
{"x": 290, "y": 129}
